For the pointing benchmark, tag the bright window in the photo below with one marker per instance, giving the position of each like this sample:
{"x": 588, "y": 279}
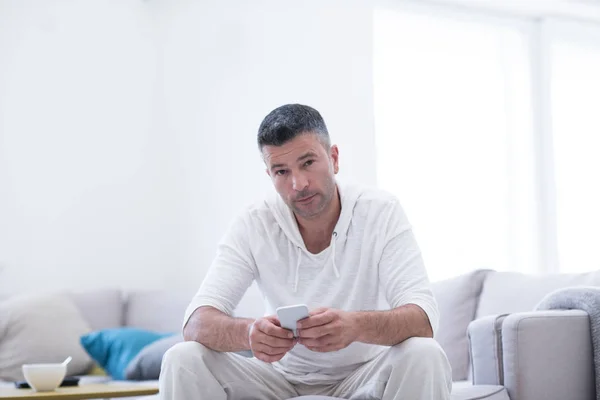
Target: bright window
{"x": 575, "y": 107}
{"x": 454, "y": 137}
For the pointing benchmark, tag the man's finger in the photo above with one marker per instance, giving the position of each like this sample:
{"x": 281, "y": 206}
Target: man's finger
{"x": 319, "y": 342}
{"x": 314, "y": 333}
{"x": 325, "y": 349}
{"x": 268, "y": 350}
{"x": 275, "y": 341}
{"x": 268, "y": 358}
{"x": 273, "y": 319}
{"x": 316, "y": 311}
{"x": 316, "y": 320}
{"x": 270, "y": 329}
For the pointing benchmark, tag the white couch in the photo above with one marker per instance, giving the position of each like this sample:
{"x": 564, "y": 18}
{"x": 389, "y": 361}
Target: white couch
{"x": 523, "y": 356}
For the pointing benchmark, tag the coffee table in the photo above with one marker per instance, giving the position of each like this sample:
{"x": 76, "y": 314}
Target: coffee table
{"x": 85, "y": 391}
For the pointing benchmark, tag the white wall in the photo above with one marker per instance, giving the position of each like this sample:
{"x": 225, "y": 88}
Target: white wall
{"x": 85, "y": 177}
{"x": 126, "y": 150}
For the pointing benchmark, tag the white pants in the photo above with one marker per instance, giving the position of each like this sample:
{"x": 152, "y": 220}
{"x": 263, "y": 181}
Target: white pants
{"x": 416, "y": 369}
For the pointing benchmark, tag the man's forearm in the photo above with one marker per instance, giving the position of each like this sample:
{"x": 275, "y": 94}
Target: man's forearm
{"x": 217, "y": 330}
{"x": 391, "y": 327}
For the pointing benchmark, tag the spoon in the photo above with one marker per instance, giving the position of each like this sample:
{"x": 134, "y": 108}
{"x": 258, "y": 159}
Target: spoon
{"x": 68, "y": 360}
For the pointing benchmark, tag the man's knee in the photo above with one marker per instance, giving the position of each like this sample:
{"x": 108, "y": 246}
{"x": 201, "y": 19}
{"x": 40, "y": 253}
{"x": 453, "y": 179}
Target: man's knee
{"x": 187, "y": 354}
{"x": 419, "y": 350}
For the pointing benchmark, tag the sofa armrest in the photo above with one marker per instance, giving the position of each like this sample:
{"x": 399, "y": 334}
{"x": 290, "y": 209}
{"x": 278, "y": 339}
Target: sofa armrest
{"x": 485, "y": 350}
{"x": 548, "y": 355}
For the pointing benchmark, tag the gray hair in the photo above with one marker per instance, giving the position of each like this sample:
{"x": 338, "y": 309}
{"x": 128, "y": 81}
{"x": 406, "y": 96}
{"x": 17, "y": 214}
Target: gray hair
{"x": 288, "y": 121}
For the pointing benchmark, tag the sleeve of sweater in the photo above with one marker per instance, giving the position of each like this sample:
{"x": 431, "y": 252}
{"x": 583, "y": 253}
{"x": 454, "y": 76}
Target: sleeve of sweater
{"x": 231, "y": 273}
{"x": 401, "y": 268}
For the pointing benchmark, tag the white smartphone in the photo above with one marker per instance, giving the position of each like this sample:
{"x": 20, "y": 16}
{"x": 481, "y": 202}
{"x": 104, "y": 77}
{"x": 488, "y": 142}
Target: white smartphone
{"x": 289, "y": 315}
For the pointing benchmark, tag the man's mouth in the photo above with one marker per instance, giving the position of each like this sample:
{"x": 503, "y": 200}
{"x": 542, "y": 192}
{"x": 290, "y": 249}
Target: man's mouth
{"x": 306, "y": 199}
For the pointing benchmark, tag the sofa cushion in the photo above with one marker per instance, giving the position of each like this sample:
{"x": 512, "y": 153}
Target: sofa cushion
{"x": 113, "y": 349}
{"x": 510, "y": 292}
{"x": 102, "y": 309}
{"x": 457, "y": 300}
{"x": 156, "y": 310}
{"x": 41, "y": 329}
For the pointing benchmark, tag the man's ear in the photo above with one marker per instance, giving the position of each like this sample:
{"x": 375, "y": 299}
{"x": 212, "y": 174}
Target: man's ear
{"x": 335, "y": 156}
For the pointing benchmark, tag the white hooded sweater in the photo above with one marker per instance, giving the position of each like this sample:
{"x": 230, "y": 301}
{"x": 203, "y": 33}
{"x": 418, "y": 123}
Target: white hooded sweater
{"x": 372, "y": 263}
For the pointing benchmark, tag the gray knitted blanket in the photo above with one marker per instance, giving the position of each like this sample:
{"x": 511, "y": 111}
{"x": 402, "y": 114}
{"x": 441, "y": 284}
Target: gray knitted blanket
{"x": 580, "y": 298}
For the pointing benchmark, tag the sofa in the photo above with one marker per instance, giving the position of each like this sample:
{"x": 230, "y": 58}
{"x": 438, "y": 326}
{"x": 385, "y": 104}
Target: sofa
{"x": 498, "y": 347}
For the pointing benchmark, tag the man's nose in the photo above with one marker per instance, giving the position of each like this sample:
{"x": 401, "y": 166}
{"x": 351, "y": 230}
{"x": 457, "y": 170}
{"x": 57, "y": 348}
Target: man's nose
{"x": 299, "y": 182}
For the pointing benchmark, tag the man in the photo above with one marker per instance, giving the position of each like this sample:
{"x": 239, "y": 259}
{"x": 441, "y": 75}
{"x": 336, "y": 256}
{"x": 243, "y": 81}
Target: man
{"x": 342, "y": 250}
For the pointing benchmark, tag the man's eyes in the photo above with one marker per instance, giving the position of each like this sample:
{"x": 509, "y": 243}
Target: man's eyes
{"x": 282, "y": 172}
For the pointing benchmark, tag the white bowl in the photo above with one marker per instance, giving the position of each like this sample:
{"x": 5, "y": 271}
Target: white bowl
{"x": 44, "y": 377}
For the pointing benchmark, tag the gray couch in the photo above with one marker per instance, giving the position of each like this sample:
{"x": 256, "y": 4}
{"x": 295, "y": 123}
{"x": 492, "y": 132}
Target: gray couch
{"x": 531, "y": 355}
{"x": 498, "y": 348}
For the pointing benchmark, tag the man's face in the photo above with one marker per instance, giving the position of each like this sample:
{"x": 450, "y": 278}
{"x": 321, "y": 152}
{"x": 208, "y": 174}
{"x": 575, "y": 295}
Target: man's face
{"x": 303, "y": 173}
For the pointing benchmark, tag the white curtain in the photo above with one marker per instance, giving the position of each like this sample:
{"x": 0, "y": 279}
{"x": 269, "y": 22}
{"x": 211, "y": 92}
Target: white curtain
{"x": 488, "y": 130}
{"x": 454, "y": 137}
{"x": 575, "y": 106}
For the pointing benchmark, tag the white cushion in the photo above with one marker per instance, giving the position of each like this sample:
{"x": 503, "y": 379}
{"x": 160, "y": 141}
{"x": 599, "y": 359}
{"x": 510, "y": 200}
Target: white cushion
{"x": 457, "y": 301}
{"x": 511, "y": 292}
{"x": 41, "y": 329}
{"x": 156, "y": 310}
{"x": 102, "y": 309}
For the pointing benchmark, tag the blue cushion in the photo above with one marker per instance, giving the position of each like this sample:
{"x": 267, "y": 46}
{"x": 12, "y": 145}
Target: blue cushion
{"x": 113, "y": 349}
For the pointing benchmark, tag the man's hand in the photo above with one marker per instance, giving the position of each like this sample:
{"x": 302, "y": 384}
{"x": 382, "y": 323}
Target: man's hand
{"x": 327, "y": 329}
{"x": 269, "y": 342}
